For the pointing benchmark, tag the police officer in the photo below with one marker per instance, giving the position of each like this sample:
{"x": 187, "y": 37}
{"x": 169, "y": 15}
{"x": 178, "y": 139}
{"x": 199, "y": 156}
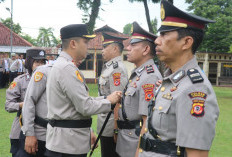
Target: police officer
{"x": 16, "y": 92}
{"x": 183, "y": 116}
{"x": 69, "y": 105}
{"x": 113, "y": 78}
{"x": 138, "y": 92}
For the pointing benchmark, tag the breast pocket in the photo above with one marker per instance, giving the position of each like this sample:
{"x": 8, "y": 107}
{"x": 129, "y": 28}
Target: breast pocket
{"x": 161, "y": 116}
{"x": 130, "y": 98}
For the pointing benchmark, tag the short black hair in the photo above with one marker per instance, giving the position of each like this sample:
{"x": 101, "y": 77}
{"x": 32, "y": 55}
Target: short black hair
{"x": 196, "y": 34}
{"x": 120, "y": 46}
{"x": 65, "y": 42}
{"x": 152, "y": 47}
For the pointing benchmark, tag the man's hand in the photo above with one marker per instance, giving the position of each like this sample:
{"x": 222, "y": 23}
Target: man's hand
{"x": 31, "y": 145}
{"x": 93, "y": 139}
{"x": 21, "y": 105}
{"x": 114, "y": 97}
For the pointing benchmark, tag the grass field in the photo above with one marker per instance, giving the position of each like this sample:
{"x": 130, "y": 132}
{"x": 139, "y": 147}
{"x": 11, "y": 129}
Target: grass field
{"x": 222, "y": 145}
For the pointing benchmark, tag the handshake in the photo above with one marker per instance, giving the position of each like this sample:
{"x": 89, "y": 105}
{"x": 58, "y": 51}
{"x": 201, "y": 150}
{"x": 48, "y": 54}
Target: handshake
{"x": 115, "y": 97}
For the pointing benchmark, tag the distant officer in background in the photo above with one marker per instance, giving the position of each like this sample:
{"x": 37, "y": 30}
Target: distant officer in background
{"x": 138, "y": 92}
{"x": 16, "y": 92}
{"x": 6, "y": 69}
{"x": 2, "y": 70}
{"x": 113, "y": 78}
{"x": 69, "y": 105}
{"x": 182, "y": 118}
{"x": 14, "y": 66}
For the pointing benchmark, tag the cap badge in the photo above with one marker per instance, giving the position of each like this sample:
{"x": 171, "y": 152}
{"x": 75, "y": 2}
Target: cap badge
{"x": 132, "y": 28}
{"x": 162, "y": 12}
{"x": 41, "y": 53}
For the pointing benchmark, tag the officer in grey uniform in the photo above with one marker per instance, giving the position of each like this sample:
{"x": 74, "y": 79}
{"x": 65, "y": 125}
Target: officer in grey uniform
{"x": 69, "y": 105}
{"x": 34, "y": 113}
{"x": 138, "y": 92}
{"x": 182, "y": 118}
{"x": 16, "y": 92}
{"x": 113, "y": 78}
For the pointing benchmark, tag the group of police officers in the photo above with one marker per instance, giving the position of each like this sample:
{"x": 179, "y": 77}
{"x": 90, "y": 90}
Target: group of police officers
{"x": 153, "y": 116}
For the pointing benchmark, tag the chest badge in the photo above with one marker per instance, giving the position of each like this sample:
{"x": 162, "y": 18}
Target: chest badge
{"x": 148, "y": 90}
{"x": 117, "y": 77}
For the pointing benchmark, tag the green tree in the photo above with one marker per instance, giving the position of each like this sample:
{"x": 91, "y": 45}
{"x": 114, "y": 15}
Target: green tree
{"x": 218, "y": 36}
{"x": 154, "y": 25}
{"x": 2, "y": 1}
{"x": 46, "y": 37}
{"x": 29, "y": 39}
{"x": 15, "y": 27}
{"x": 127, "y": 29}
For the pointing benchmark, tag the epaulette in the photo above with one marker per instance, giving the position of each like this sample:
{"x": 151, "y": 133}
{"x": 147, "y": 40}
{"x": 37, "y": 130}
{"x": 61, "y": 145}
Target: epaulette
{"x": 149, "y": 69}
{"x": 115, "y": 65}
{"x": 194, "y": 76}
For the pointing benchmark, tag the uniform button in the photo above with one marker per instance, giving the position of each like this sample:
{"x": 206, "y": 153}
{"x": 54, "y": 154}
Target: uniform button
{"x": 162, "y": 89}
{"x": 160, "y": 108}
{"x": 130, "y": 81}
{"x": 153, "y": 109}
{"x": 130, "y": 133}
{"x": 120, "y": 106}
{"x": 145, "y": 130}
{"x": 140, "y": 150}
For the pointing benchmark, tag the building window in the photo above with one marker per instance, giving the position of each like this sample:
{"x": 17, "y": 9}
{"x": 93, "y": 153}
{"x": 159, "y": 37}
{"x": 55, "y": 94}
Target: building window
{"x": 226, "y": 69}
{"x": 225, "y": 57}
{"x": 215, "y": 57}
{"x": 125, "y": 57}
{"x": 88, "y": 63}
{"x": 220, "y": 57}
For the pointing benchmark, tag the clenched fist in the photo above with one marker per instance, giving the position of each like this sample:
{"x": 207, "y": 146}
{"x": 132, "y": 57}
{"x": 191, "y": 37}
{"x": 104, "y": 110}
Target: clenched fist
{"x": 114, "y": 97}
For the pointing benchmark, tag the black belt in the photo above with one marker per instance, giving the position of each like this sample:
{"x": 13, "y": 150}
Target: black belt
{"x": 84, "y": 123}
{"x": 128, "y": 124}
{"x": 19, "y": 113}
{"x": 40, "y": 121}
{"x": 161, "y": 147}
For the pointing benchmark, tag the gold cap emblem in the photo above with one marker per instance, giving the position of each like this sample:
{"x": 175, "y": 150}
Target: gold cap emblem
{"x": 162, "y": 12}
{"x": 132, "y": 28}
{"x": 102, "y": 38}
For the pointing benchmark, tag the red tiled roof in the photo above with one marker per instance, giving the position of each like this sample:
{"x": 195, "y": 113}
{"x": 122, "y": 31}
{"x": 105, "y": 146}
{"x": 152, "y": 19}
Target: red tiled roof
{"x": 5, "y": 38}
{"x": 96, "y": 43}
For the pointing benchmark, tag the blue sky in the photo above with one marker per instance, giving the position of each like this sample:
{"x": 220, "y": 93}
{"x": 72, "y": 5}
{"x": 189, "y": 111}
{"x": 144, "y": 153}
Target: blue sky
{"x": 32, "y": 14}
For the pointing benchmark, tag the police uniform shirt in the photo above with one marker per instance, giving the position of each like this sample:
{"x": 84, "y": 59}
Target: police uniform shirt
{"x": 186, "y": 109}
{"x": 36, "y": 103}
{"x": 68, "y": 99}
{"x": 113, "y": 78}
{"x": 14, "y": 95}
{"x": 139, "y": 92}
{"x": 14, "y": 65}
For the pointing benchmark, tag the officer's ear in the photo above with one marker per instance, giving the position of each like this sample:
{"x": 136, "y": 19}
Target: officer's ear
{"x": 146, "y": 50}
{"x": 187, "y": 42}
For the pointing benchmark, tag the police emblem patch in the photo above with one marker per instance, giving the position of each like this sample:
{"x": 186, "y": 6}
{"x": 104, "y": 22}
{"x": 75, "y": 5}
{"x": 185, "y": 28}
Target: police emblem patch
{"x": 197, "y": 94}
{"x": 148, "y": 90}
{"x": 79, "y": 76}
{"x": 13, "y": 84}
{"x": 198, "y": 108}
{"x": 117, "y": 77}
{"x": 38, "y": 76}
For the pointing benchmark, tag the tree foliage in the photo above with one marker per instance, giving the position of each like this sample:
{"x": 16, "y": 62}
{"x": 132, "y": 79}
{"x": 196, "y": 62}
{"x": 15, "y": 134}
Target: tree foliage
{"x": 127, "y": 29}
{"x": 15, "y": 27}
{"x": 46, "y": 37}
{"x": 28, "y": 38}
{"x": 218, "y": 36}
{"x": 2, "y": 1}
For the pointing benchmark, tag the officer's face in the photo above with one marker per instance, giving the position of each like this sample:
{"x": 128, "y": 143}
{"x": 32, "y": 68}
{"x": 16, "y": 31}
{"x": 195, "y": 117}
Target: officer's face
{"x": 135, "y": 52}
{"x": 82, "y": 47}
{"x": 37, "y": 63}
{"x": 107, "y": 52}
{"x": 168, "y": 48}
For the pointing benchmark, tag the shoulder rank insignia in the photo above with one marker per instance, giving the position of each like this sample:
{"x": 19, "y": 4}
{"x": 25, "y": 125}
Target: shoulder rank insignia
{"x": 148, "y": 90}
{"x": 198, "y": 108}
{"x": 13, "y": 84}
{"x": 178, "y": 76}
{"x": 150, "y": 69}
{"x": 194, "y": 75}
{"x": 115, "y": 65}
{"x": 38, "y": 76}
{"x": 79, "y": 76}
{"x": 117, "y": 77}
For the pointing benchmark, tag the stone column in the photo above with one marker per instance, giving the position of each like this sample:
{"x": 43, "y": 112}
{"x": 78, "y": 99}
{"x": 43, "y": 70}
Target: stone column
{"x": 206, "y": 65}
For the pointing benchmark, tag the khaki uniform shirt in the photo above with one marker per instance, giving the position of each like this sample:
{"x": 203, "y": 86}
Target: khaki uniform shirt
{"x": 68, "y": 99}
{"x": 113, "y": 78}
{"x": 14, "y": 95}
{"x": 36, "y": 103}
{"x": 185, "y": 112}
{"x": 139, "y": 92}
{"x": 14, "y": 65}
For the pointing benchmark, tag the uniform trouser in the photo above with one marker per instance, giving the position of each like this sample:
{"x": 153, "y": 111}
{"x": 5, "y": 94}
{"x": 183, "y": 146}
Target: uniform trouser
{"x": 23, "y": 153}
{"x": 108, "y": 147}
{"x": 1, "y": 80}
{"x": 13, "y": 75}
{"x": 5, "y": 79}
{"x": 50, "y": 153}
{"x": 14, "y": 147}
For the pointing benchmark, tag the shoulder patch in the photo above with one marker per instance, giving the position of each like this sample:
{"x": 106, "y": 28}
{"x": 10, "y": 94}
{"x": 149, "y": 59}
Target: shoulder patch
{"x": 195, "y": 76}
{"x": 117, "y": 77}
{"x": 38, "y": 76}
{"x": 197, "y": 94}
{"x": 13, "y": 84}
{"x": 148, "y": 90}
{"x": 198, "y": 108}
{"x": 79, "y": 76}
{"x": 115, "y": 65}
{"x": 149, "y": 69}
